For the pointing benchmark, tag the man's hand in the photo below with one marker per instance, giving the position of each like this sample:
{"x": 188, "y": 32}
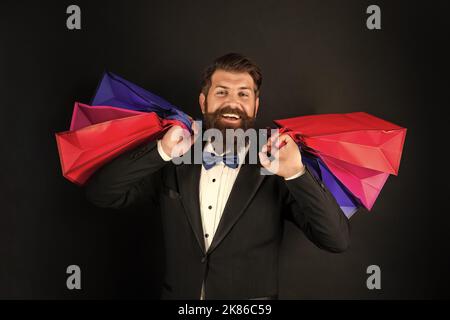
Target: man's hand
{"x": 287, "y": 160}
{"x": 177, "y": 140}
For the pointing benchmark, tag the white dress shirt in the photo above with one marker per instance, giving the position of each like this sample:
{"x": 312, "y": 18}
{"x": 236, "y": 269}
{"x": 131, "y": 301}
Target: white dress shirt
{"x": 214, "y": 190}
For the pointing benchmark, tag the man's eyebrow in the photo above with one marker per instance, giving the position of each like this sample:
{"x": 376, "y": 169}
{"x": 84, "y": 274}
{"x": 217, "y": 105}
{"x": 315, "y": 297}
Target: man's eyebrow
{"x": 225, "y": 87}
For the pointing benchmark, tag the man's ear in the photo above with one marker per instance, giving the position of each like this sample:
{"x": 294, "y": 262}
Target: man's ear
{"x": 256, "y": 105}
{"x": 201, "y": 101}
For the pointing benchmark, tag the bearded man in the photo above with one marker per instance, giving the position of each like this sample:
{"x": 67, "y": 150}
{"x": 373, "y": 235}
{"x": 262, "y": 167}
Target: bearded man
{"x": 222, "y": 219}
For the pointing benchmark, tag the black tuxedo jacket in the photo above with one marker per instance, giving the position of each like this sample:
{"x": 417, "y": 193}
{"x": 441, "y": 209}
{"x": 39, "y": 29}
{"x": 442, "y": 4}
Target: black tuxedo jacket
{"x": 242, "y": 261}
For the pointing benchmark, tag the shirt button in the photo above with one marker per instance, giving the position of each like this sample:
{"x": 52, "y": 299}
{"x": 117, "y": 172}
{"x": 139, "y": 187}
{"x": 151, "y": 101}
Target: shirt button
{"x": 214, "y": 180}
{"x": 206, "y": 235}
{"x": 209, "y": 207}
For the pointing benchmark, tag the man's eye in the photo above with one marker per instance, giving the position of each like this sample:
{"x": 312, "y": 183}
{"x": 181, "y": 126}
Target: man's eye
{"x": 220, "y": 93}
{"x": 243, "y": 94}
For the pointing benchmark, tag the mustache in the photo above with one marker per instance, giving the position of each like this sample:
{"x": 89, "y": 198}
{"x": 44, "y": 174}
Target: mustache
{"x": 232, "y": 110}
{"x": 214, "y": 119}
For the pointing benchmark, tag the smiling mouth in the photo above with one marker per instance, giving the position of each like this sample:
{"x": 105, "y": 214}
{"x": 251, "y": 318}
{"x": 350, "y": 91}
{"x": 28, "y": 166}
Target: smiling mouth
{"x": 230, "y": 117}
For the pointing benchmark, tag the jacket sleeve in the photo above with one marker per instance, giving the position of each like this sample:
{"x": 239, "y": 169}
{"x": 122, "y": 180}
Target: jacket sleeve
{"x": 312, "y": 208}
{"x": 128, "y": 179}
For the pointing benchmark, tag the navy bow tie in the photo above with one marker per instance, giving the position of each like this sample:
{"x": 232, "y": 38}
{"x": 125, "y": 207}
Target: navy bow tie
{"x": 211, "y": 159}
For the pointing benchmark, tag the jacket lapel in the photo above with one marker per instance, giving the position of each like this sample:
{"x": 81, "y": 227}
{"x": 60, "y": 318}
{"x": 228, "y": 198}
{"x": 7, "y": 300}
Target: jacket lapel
{"x": 188, "y": 180}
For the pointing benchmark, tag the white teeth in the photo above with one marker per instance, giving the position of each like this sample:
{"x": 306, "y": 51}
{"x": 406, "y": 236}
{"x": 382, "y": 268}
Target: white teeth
{"x": 231, "y": 115}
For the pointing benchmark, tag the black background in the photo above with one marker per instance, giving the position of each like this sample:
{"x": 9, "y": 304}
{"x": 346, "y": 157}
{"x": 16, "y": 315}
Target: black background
{"x": 316, "y": 57}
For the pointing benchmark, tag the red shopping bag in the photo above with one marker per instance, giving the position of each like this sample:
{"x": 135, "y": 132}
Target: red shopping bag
{"x": 360, "y": 149}
{"x": 84, "y": 151}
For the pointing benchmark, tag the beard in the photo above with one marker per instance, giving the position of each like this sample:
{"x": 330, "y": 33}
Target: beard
{"x": 218, "y": 120}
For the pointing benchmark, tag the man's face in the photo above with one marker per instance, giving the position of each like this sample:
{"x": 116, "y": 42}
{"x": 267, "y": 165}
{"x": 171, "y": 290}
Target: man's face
{"x": 231, "y": 102}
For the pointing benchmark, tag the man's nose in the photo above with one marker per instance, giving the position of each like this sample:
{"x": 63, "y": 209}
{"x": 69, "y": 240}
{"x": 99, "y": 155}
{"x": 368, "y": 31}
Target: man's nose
{"x": 233, "y": 103}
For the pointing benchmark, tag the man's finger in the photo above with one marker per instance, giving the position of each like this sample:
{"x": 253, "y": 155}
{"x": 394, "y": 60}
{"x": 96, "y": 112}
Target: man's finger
{"x": 265, "y": 162}
{"x": 271, "y": 166}
{"x": 194, "y": 127}
{"x": 195, "y": 131}
{"x": 273, "y": 138}
{"x": 265, "y": 148}
{"x": 282, "y": 140}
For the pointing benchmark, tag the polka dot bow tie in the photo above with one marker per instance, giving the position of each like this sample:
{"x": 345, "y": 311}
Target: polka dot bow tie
{"x": 211, "y": 159}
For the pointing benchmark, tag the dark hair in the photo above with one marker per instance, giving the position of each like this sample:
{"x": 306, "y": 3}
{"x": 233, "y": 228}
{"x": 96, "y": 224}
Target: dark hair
{"x": 234, "y": 62}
